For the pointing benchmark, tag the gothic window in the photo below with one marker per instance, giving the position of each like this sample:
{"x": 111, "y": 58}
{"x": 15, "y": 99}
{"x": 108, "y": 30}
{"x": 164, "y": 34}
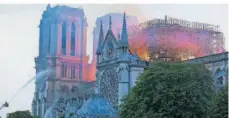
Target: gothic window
{"x": 217, "y": 71}
{"x": 49, "y": 40}
{"x": 73, "y": 31}
{"x": 109, "y": 86}
{"x": 64, "y": 91}
{"x": 64, "y": 36}
{"x": 73, "y": 71}
{"x": 63, "y": 70}
{"x": 74, "y": 89}
{"x": 110, "y": 51}
{"x": 219, "y": 79}
{"x": 76, "y": 66}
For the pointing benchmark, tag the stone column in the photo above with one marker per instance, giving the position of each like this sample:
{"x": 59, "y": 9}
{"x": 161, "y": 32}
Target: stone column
{"x": 124, "y": 82}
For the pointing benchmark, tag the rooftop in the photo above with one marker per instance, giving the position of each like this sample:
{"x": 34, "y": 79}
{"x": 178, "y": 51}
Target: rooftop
{"x": 97, "y": 105}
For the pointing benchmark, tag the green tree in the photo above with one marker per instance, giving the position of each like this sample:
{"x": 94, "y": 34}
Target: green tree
{"x": 20, "y": 114}
{"x": 36, "y": 117}
{"x": 170, "y": 90}
{"x": 220, "y": 105}
{"x": 62, "y": 116}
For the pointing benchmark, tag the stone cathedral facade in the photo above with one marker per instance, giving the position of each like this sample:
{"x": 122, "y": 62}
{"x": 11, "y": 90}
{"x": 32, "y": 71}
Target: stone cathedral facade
{"x": 117, "y": 68}
{"x": 62, "y": 48}
{"x": 218, "y": 65}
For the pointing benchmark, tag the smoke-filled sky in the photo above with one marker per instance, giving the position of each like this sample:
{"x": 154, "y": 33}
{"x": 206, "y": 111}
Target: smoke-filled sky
{"x": 19, "y": 38}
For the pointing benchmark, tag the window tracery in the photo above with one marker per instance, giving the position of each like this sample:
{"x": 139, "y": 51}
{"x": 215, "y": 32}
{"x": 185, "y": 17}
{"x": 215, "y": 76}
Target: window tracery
{"x": 219, "y": 78}
{"x": 109, "y": 86}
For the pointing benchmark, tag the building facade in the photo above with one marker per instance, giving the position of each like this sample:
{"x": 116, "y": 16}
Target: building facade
{"x": 117, "y": 71}
{"x": 117, "y": 68}
{"x": 218, "y": 65}
{"x": 62, "y": 49}
{"x": 116, "y": 28}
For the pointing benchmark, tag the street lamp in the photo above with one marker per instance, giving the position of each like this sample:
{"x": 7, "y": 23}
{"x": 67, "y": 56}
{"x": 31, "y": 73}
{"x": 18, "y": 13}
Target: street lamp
{"x": 6, "y": 104}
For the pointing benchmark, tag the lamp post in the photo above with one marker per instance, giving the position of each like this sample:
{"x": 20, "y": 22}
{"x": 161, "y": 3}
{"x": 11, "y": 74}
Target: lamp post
{"x": 6, "y": 104}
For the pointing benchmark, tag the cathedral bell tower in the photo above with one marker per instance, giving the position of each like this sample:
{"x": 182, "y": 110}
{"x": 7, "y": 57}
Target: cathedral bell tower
{"x": 62, "y": 47}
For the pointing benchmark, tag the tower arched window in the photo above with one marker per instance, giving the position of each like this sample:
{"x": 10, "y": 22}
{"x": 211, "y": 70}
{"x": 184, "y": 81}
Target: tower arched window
{"x": 49, "y": 40}
{"x": 73, "y": 71}
{"x": 73, "y": 32}
{"x": 219, "y": 78}
{"x": 64, "y": 93}
{"x": 217, "y": 70}
{"x": 74, "y": 89}
{"x": 77, "y": 72}
{"x": 64, "y": 37}
{"x": 63, "y": 70}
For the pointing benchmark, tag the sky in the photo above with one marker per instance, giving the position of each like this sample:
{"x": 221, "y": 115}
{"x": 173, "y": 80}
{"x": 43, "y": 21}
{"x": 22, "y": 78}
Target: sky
{"x": 20, "y": 34}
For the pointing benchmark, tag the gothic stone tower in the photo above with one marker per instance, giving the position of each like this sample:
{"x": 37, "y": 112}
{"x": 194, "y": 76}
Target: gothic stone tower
{"x": 116, "y": 27}
{"x": 117, "y": 68}
{"x": 62, "y": 48}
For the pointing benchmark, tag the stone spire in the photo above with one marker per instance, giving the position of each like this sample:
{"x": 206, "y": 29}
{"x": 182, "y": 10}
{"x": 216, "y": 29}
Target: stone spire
{"x": 110, "y": 23}
{"x": 48, "y": 7}
{"x": 119, "y": 36}
{"x": 101, "y": 37}
{"x": 166, "y": 18}
{"x": 124, "y": 37}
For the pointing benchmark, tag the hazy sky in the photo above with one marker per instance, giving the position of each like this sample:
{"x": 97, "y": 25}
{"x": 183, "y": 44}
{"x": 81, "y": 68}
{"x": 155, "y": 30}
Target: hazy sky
{"x": 19, "y": 38}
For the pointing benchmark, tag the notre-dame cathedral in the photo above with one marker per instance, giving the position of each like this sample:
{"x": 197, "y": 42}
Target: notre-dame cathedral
{"x": 62, "y": 48}
{"x": 70, "y": 87}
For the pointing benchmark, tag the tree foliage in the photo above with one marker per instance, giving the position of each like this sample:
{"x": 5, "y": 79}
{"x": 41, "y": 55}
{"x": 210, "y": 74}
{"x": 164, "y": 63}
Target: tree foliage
{"x": 20, "y": 114}
{"x": 62, "y": 116}
{"x": 170, "y": 90}
{"x": 36, "y": 117}
{"x": 220, "y": 104}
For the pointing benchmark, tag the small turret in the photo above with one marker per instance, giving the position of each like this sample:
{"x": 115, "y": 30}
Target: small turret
{"x": 124, "y": 37}
{"x": 110, "y": 23}
{"x": 101, "y": 38}
{"x": 48, "y": 7}
{"x": 166, "y": 18}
